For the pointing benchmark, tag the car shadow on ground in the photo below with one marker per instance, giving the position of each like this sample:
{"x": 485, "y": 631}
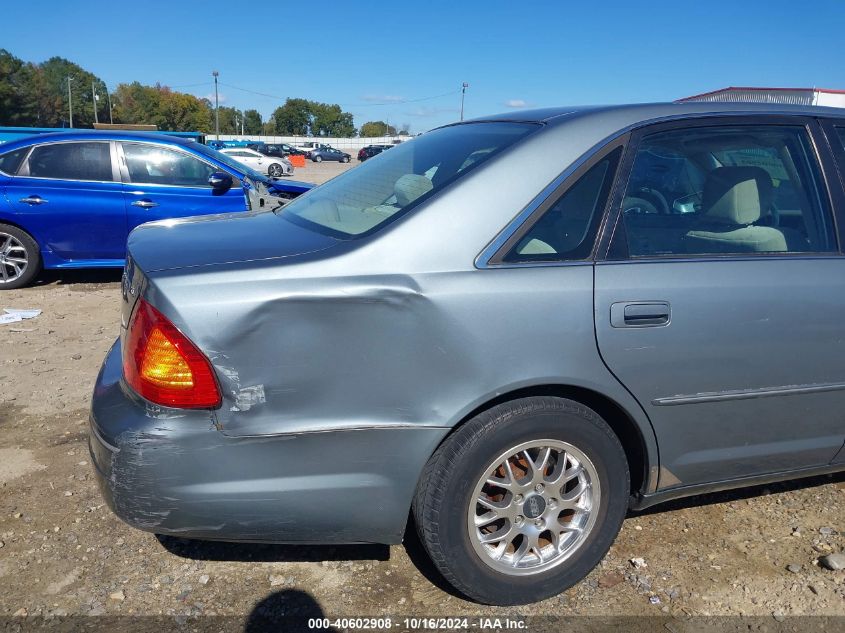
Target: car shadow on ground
{"x": 270, "y": 553}
{"x": 741, "y": 494}
{"x": 72, "y": 277}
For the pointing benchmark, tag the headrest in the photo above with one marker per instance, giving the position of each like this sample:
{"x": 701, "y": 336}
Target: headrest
{"x": 737, "y": 195}
{"x": 410, "y": 187}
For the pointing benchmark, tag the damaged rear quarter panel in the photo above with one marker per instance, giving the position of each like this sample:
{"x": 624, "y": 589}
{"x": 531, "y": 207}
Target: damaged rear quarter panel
{"x": 305, "y": 354}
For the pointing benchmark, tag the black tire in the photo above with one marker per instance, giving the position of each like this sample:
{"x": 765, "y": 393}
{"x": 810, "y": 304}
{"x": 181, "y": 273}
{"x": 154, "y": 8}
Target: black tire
{"x": 345, "y": 159}
{"x": 317, "y": 159}
{"x": 448, "y": 481}
{"x": 33, "y": 257}
{"x": 275, "y": 170}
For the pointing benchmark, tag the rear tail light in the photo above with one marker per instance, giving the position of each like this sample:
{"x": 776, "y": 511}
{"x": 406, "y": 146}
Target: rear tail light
{"x": 163, "y": 366}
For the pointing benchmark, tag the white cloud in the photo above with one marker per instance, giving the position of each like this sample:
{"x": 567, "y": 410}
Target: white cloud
{"x": 516, "y": 103}
{"x": 221, "y": 98}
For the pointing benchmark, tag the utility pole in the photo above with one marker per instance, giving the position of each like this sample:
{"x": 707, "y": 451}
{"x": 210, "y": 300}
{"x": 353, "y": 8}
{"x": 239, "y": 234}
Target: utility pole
{"x": 464, "y": 87}
{"x": 216, "y": 107}
{"x": 95, "y": 98}
{"x": 108, "y": 96}
{"x": 69, "y": 103}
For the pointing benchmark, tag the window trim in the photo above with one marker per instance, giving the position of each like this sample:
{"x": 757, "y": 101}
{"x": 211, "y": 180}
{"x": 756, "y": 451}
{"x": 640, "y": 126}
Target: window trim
{"x": 493, "y": 255}
{"x": 23, "y": 168}
{"x": 124, "y": 169}
{"x": 614, "y": 246}
{"x": 27, "y": 149}
{"x": 835, "y": 168}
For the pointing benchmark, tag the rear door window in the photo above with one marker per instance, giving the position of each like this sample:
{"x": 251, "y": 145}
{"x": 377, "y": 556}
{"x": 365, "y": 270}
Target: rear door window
{"x": 70, "y": 161}
{"x": 726, "y": 190}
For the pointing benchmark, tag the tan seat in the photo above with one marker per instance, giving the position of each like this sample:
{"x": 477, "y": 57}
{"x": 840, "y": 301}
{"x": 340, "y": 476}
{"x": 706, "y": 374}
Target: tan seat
{"x": 410, "y": 187}
{"x": 734, "y": 199}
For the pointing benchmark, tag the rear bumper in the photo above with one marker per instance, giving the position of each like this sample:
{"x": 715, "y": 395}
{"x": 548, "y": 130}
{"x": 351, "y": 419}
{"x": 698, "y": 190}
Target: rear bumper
{"x": 173, "y": 472}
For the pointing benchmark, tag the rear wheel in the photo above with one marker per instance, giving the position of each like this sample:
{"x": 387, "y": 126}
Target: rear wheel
{"x": 275, "y": 170}
{"x": 523, "y": 501}
{"x": 20, "y": 259}
{"x": 317, "y": 159}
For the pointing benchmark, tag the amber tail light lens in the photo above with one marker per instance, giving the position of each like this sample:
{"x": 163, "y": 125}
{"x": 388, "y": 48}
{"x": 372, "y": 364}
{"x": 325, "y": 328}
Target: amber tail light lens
{"x": 163, "y": 366}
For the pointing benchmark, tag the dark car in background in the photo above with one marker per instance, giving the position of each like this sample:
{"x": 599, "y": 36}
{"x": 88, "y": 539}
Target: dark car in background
{"x": 515, "y": 329}
{"x": 329, "y": 153}
{"x": 70, "y": 199}
{"x": 281, "y": 150}
{"x": 371, "y": 150}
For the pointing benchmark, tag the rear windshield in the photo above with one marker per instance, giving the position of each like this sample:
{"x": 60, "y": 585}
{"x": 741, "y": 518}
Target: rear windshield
{"x": 372, "y": 194}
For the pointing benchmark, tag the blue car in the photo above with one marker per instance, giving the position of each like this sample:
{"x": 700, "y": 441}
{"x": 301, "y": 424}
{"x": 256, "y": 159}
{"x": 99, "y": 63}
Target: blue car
{"x": 70, "y": 199}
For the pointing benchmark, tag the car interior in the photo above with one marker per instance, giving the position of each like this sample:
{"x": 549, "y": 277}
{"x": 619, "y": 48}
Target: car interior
{"x": 732, "y": 191}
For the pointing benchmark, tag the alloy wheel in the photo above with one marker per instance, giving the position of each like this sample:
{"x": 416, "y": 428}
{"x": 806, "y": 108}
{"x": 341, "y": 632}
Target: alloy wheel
{"x": 533, "y": 507}
{"x": 13, "y": 258}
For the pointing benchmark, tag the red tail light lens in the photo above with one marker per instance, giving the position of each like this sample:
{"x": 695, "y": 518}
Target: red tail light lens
{"x": 163, "y": 366}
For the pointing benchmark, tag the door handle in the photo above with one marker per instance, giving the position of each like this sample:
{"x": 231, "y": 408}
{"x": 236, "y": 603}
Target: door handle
{"x": 33, "y": 200}
{"x": 145, "y": 204}
{"x": 640, "y": 314}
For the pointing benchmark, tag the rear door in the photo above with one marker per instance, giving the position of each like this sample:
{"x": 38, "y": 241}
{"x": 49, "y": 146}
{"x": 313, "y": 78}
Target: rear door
{"x": 163, "y": 182}
{"x": 721, "y": 302}
{"x": 68, "y": 195}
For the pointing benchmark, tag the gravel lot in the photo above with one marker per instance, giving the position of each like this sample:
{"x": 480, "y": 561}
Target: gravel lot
{"x": 752, "y": 552}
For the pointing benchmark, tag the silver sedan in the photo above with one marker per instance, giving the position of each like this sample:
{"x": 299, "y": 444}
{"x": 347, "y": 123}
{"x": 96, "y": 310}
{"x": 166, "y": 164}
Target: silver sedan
{"x": 514, "y": 329}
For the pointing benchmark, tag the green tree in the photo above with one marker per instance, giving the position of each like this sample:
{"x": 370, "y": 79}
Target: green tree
{"x": 252, "y": 122}
{"x": 293, "y": 118}
{"x": 51, "y": 91}
{"x": 228, "y": 117}
{"x": 330, "y": 120}
{"x": 299, "y": 117}
{"x": 18, "y": 105}
{"x": 162, "y": 107}
{"x": 377, "y": 128}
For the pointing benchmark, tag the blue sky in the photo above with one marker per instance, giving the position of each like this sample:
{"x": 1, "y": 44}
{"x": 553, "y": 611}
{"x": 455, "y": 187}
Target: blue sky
{"x": 363, "y": 54}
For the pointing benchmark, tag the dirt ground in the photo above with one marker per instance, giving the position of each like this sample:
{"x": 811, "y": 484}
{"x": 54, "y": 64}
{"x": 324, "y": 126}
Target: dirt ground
{"x": 751, "y": 552}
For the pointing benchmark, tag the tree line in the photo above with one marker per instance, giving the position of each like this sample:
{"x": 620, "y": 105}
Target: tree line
{"x": 36, "y": 95}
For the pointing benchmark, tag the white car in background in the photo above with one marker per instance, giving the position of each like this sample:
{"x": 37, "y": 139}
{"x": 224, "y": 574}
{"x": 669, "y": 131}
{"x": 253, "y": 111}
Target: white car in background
{"x": 310, "y": 146}
{"x": 271, "y": 165}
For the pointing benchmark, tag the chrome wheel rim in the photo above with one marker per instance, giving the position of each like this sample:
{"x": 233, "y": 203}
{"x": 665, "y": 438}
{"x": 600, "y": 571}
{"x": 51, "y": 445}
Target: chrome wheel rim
{"x": 533, "y": 507}
{"x": 275, "y": 170}
{"x": 13, "y": 258}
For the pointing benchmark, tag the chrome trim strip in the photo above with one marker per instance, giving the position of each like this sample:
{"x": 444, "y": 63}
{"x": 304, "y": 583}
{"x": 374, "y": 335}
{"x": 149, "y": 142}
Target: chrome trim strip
{"x": 746, "y": 394}
{"x": 714, "y": 257}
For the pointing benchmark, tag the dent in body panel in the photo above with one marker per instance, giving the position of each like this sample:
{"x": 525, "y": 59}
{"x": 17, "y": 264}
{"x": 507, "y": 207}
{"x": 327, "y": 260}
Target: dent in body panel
{"x": 335, "y": 354}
